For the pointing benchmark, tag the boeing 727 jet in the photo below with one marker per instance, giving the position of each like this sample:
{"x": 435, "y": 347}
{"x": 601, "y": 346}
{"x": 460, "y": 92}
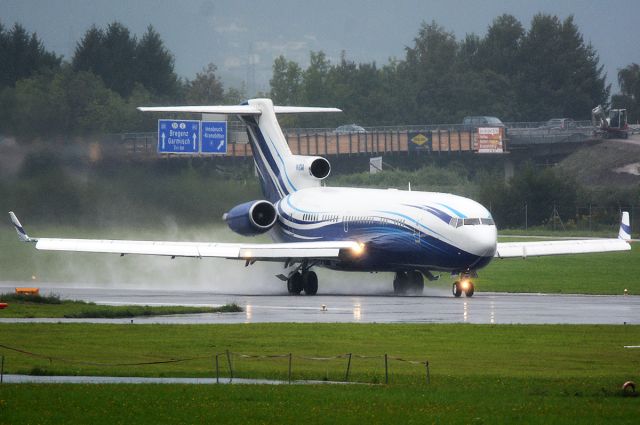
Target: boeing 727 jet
{"x": 409, "y": 233}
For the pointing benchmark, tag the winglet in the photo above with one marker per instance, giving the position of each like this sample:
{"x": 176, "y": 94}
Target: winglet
{"x": 625, "y": 227}
{"x": 19, "y": 229}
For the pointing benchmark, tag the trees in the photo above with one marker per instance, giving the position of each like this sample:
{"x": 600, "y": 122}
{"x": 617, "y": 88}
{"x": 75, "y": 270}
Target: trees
{"x": 629, "y": 96}
{"x": 206, "y": 88}
{"x": 511, "y": 72}
{"x": 155, "y": 66}
{"x": 559, "y": 74}
{"x": 121, "y": 61}
{"x": 286, "y": 82}
{"x": 22, "y": 55}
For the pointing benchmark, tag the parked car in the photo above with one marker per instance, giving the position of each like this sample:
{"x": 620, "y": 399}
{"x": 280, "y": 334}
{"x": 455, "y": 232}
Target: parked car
{"x": 481, "y": 121}
{"x": 349, "y": 128}
{"x": 559, "y": 124}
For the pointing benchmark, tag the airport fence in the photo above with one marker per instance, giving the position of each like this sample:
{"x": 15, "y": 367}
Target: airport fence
{"x": 283, "y": 368}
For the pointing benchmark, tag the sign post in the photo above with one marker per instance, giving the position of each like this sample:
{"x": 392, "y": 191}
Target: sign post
{"x": 178, "y": 136}
{"x": 489, "y": 140}
{"x": 214, "y": 137}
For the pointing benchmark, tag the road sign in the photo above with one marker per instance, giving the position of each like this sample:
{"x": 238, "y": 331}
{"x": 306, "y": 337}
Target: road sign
{"x": 214, "y": 137}
{"x": 178, "y": 136}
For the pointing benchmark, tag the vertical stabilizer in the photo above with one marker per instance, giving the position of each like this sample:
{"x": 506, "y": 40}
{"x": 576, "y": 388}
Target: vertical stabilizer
{"x": 280, "y": 172}
{"x": 271, "y": 152}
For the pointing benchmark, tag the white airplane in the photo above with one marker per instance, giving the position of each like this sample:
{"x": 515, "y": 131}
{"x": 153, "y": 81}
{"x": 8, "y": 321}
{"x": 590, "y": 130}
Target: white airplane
{"x": 412, "y": 234}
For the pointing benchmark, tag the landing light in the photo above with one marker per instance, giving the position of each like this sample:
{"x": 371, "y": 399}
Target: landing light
{"x": 465, "y": 285}
{"x": 358, "y": 249}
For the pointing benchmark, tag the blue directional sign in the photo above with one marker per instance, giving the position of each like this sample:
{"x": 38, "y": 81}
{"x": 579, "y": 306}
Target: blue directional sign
{"x": 178, "y": 136}
{"x": 214, "y": 137}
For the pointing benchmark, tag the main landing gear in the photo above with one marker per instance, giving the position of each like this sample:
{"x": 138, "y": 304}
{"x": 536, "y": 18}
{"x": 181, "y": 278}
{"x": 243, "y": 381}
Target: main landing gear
{"x": 410, "y": 283}
{"x": 464, "y": 285}
{"x": 306, "y": 281}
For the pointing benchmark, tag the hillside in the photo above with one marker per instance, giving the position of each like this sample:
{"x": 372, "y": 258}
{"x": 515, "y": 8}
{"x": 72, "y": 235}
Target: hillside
{"x": 610, "y": 163}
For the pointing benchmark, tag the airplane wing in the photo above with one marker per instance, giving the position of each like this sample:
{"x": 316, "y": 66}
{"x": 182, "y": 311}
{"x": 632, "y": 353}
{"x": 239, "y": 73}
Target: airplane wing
{"x": 248, "y": 252}
{"x": 577, "y": 246}
{"x": 568, "y": 246}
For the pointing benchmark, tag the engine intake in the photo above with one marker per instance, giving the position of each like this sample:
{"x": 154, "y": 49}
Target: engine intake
{"x": 320, "y": 168}
{"x": 252, "y": 218}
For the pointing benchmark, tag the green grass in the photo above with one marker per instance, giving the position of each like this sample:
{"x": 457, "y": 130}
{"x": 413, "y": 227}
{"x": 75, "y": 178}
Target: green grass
{"x": 472, "y": 401}
{"x": 479, "y": 374}
{"x": 51, "y": 306}
{"x": 605, "y": 273}
{"x": 540, "y": 351}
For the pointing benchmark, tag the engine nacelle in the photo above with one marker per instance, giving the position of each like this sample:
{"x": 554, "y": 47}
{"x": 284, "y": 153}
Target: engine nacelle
{"x": 251, "y": 218}
{"x": 312, "y": 168}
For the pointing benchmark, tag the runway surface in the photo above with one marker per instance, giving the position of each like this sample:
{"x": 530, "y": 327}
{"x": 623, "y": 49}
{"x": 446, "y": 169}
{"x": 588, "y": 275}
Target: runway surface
{"x": 436, "y": 306}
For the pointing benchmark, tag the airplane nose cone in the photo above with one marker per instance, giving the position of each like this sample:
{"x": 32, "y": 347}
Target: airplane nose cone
{"x": 484, "y": 240}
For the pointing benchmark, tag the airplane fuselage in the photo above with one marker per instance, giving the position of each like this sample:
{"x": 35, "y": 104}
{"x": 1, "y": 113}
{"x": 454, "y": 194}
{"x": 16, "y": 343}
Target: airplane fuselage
{"x": 400, "y": 230}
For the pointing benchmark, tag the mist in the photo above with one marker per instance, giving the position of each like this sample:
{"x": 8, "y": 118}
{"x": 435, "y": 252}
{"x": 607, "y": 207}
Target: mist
{"x": 221, "y": 276}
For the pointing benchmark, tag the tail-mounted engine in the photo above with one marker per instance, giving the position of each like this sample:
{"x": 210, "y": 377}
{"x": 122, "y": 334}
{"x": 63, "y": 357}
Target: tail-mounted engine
{"x": 310, "y": 170}
{"x": 251, "y": 218}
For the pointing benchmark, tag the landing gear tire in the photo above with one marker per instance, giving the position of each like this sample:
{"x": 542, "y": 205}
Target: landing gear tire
{"x": 411, "y": 283}
{"x": 310, "y": 282}
{"x": 470, "y": 290}
{"x": 416, "y": 283}
{"x": 294, "y": 283}
{"x": 456, "y": 289}
{"x": 400, "y": 283}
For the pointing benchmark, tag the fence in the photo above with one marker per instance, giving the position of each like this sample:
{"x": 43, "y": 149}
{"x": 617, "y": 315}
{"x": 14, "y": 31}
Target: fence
{"x": 295, "y": 365}
{"x": 582, "y": 218}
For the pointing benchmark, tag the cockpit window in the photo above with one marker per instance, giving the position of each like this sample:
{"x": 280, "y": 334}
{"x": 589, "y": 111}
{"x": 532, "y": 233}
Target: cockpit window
{"x": 457, "y": 222}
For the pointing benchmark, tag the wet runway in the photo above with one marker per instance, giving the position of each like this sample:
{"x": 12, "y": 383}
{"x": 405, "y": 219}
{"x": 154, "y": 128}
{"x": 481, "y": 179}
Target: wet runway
{"x": 436, "y": 306}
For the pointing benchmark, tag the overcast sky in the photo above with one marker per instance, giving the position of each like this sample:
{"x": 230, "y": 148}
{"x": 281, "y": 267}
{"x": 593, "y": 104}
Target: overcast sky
{"x": 242, "y": 37}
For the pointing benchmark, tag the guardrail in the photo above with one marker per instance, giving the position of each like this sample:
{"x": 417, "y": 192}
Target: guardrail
{"x": 443, "y": 138}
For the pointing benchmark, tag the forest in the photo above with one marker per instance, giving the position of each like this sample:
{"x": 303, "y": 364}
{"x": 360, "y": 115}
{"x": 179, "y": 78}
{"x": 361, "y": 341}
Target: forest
{"x": 513, "y": 72}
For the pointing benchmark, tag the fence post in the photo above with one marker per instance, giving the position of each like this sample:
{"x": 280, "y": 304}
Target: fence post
{"x": 346, "y": 376}
{"x": 217, "y": 370}
{"x": 289, "y": 368}
{"x": 386, "y": 369}
{"x": 230, "y": 367}
{"x": 428, "y": 374}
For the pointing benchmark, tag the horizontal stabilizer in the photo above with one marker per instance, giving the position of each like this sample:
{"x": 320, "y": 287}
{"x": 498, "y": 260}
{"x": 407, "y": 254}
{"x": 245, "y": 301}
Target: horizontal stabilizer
{"x": 236, "y": 109}
{"x": 230, "y": 110}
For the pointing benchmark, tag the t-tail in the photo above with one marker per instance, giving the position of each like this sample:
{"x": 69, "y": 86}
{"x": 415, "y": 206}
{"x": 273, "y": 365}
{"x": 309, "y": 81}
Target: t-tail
{"x": 279, "y": 170}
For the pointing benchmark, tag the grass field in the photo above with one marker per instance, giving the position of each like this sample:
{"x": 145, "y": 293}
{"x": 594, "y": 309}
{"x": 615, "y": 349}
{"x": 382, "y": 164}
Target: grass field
{"x": 479, "y": 374}
{"x": 51, "y": 306}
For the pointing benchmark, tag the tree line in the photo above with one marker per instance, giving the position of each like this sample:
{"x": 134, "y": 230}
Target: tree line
{"x": 97, "y": 90}
{"x": 512, "y": 72}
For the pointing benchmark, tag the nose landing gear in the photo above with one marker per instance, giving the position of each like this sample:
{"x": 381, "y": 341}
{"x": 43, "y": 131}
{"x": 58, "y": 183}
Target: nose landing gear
{"x": 464, "y": 285}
